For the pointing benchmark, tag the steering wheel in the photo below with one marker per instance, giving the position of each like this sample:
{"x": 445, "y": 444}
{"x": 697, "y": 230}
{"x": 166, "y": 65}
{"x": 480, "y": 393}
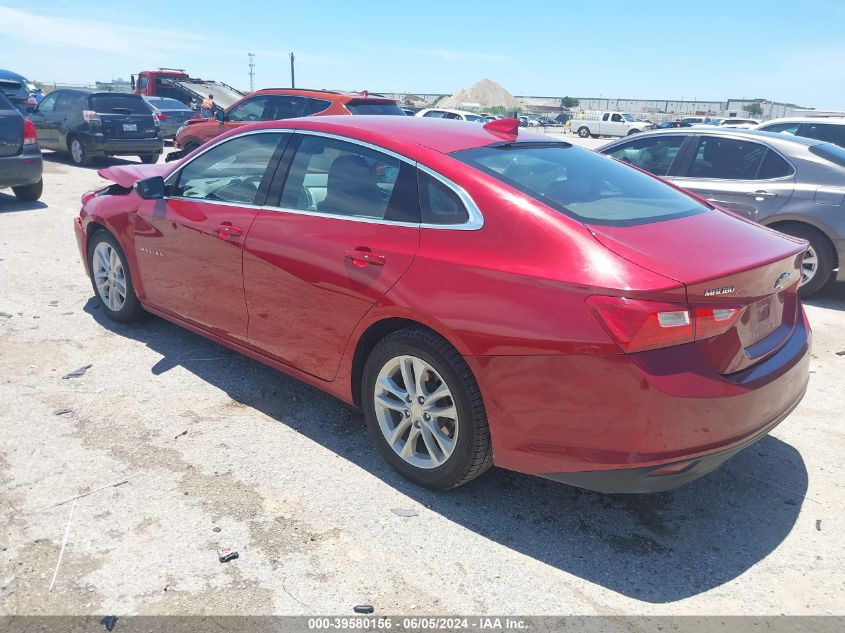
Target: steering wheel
{"x": 253, "y": 117}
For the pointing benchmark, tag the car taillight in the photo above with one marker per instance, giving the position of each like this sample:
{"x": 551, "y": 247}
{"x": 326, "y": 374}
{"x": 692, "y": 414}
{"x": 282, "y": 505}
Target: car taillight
{"x": 90, "y": 116}
{"x": 162, "y": 116}
{"x": 637, "y": 325}
{"x": 30, "y": 134}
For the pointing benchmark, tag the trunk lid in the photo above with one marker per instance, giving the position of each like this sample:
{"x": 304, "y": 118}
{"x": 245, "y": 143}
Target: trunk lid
{"x": 724, "y": 261}
{"x": 124, "y": 116}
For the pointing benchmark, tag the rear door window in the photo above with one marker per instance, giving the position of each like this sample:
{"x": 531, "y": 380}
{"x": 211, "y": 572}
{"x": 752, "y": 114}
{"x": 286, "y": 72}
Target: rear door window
{"x": 434, "y": 114}
{"x": 654, "y": 154}
{"x": 439, "y": 205}
{"x": 774, "y": 166}
{"x": 339, "y": 178}
{"x": 588, "y": 186}
{"x": 314, "y": 106}
{"x": 782, "y": 128}
{"x": 65, "y": 102}
{"x": 118, "y": 104}
{"x": 828, "y": 132}
{"x": 726, "y": 159}
{"x": 375, "y": 108}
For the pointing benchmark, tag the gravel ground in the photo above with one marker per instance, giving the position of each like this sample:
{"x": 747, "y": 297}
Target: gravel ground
{"x": 218, "y": 451}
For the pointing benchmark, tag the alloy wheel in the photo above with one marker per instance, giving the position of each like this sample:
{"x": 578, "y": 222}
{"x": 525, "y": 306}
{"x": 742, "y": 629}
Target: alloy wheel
{"x": 416, "y": 411}
{"x": 109, "y": 276}
{"x": 76, "y": 151}
{"x": 809, "y": 266}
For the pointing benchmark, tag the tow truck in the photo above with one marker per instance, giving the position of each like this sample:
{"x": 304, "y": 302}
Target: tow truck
{"x": 176, "y": 83}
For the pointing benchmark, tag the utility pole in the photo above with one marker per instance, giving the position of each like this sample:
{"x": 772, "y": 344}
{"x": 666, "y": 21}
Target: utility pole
{"x": 292, "y": 76}
{"x": 251, "y": 71}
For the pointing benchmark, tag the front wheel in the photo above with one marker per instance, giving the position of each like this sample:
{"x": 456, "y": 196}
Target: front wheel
{"x": 29, "y": 193}
{"x": 583, "y": 132}
{"x": 111, "y": 279}
{"x": 149, "y": 159}
{"x": 424, "y": 410}
{"x": 633, "y": 132}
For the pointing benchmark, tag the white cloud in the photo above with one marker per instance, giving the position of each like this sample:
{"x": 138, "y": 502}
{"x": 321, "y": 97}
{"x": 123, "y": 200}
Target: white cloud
{"x": 78, "y": 33}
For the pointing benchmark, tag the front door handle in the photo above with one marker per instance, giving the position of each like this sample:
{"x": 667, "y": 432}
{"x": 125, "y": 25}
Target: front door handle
{"x": 361, "y": 257}
{"x": 226, "y": 231}
{"x": 761, "y": 195}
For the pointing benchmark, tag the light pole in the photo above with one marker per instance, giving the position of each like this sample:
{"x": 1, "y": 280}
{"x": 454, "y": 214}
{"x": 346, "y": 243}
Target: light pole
{"x": 292, "y": 75}
{"x": 251, "y": 71}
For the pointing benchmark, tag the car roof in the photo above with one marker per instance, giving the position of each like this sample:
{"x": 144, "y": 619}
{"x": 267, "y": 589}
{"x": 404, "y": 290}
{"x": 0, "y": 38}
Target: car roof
{"x": 337, "y": 95}
{"x": 452, "y": 110}
{"x": 784, "y": 140}
{"x": 836, "y": 120}
{"x": 440, "y": 135}
{"x": 8, "y": 74}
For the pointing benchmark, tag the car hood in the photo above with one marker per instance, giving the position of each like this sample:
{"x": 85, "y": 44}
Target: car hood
{"x": 696, "y": 248}
{"x": 128, "y": 175}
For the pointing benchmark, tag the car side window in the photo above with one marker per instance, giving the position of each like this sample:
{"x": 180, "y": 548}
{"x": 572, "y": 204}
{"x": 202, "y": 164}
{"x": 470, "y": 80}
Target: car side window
{"x": 48, "y": 103}
{"x": 438, "y": 203}
{"x": 654, "y": 154}
{"x": 229, "y": 172}
{"x": 313, "y": 106}
{"x": 339, "y": 178}
{"x": 65, "y": 102}
{"x": 249, "y": 110}
{"x": 434, "y": 114}
{"x": 142, "y": 82}
{"x": 726, "y": 159}
{"x": 617, "y": 118}
{"x": 285, "y": 107}
{"x": 782, "y": 128}
{"x": 828, "y": 132}
{"x": 605, "y": 116}
{"x": 774, "y": 166}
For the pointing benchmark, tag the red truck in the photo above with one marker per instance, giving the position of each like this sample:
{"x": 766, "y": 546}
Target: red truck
{"x": 175, "y": 83}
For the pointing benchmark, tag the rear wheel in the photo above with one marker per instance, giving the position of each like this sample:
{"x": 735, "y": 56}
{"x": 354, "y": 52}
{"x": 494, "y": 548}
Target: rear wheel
{"x": 189, "y": 147}
{"x": 111, "y": 279}
{"x": 29, "y": 193}
{"x": 583, "y": 131}
{"x": 149, "y": 159}
{"x": 817, "y": 267}
{"x": 78, "y": 152}
{"x": 633, "y": 132}
{"x": 424, "y": 410}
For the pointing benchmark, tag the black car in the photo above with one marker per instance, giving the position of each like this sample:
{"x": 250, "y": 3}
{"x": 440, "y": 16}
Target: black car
{"x": 19, "y": 90}
{"x": 88, "y": 124}
{"x": 671, "y": 124}
{"x": 20, "y": 155}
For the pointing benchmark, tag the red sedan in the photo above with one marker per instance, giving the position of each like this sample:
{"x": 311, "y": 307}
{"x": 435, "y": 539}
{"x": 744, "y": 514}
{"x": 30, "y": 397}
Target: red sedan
{"x": 484, "y": 294}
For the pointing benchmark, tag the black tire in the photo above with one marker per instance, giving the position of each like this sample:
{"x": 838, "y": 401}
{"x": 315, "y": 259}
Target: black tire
{"x": 630, "y": 132}
{"x": 131, "y": 309}
{"x": 473, "y": 454}
{"x": 189, "y": 147}
{"x": 824, "y": 254}
{"x": 80, "y": 159}
{"x": 29, "y": 193}
{"x": 583, "y": 131}
{"x": 149, "y": 159}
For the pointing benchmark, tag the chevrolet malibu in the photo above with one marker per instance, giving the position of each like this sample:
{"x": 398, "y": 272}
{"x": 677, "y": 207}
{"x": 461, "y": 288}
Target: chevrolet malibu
{"x": 484, "y": 294}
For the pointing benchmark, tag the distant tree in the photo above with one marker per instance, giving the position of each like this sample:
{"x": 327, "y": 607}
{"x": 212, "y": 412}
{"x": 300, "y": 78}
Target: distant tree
{"x": 569, "y": 102}
{"x": 754, "y": 109}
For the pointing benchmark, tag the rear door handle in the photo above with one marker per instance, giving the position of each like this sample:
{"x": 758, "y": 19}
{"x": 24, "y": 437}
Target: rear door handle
{"x": 361, "y": 257}
{"x": 226, "y": 231}
{"x": 761, "y": 195}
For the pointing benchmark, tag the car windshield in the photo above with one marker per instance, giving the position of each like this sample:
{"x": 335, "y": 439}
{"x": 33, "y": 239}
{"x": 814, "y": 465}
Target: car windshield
{"x": 119, "y": 104}
{"x": 163, "y": 103}
{"x": 375, "y": 108}
{"x": 831, "y": 152}
{"x": 588, "y": 186}
{"x": 629, "y": 117}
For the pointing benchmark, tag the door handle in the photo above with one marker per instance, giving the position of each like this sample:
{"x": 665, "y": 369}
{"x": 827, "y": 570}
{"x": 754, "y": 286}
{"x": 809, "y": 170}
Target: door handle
{"x": 227, "y": 230}
{"x": 761, "y": 195}
{"x": 361, "y": 257}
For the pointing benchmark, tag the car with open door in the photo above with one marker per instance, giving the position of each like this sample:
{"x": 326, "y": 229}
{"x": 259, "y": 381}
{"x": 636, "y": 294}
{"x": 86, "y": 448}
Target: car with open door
{"x": 87, "y": 124}
{"x": 486, "y": 295}
{"x": 795, "y": 185}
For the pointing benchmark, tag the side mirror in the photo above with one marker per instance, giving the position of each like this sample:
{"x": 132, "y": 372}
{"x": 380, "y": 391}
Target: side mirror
{"x": 220, "y": 116}
{"x": 150, "y": 188}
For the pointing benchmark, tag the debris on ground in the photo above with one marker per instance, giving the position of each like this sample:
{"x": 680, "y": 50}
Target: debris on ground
{"x": 54, "y": 303}
{"x": 225, "y": 555}
{"x": 64, "y": 411}
{"x": 216, "y": 528}
{"x": 819, "y": 525}
{"x": 109, "y": 622}
{"x": 76, "y": 373}
{"x": 403, "y": 512}
{"x": 185, "y": 432}
{"x": 364, "y": 608}
{"x": 842, "y": 353}
{"x": 5, "y": 315}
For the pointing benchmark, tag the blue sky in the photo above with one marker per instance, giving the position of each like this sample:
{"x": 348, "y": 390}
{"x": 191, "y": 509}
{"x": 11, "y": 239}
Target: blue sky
{"x": 709, "y": 50}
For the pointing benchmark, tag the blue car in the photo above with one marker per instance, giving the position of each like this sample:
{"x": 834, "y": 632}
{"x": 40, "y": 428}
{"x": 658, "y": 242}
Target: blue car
{"x": 23, "y": 94}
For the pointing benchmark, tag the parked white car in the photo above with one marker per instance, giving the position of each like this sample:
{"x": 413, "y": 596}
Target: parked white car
{"x": 829, "y": 129}
{"x": 609, "y": 124}
{"x": 742, "y": 124}
{"x": 447, "y": 113}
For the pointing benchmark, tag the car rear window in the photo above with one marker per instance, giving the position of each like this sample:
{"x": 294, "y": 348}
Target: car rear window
{"x": 831, "y": 152}
{"x": 163, "y": 103}
{"x": 588, "y": 186}
{"x": 119, "y": 104}
{"x": 5, "y": 104}
{"x": 356, "y": 107}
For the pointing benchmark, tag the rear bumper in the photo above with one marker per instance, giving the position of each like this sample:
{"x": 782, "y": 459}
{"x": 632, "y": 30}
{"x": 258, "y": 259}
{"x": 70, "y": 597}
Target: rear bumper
{"x": 579, "y": 418}
{"x": 24, "y": 169}
{"x": 119, "y": 147}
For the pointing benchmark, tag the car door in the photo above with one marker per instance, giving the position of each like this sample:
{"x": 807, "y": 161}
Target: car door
{"x": 617, "y": 126}
{"x": 739, "y": 174}
{"x": 189, "y": 245}
{"x": 342, "y": 229}
{"x": 44, "y": 120}
{"x": 63, "y": 116}
{"x": 655, "y": 154}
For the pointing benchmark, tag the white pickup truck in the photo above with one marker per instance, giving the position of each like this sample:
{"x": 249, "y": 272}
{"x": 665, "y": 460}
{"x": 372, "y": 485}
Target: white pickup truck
{"x": 609, "y": 124}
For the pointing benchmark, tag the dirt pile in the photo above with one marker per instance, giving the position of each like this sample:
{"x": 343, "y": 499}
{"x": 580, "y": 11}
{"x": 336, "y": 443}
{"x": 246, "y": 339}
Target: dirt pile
{"x": 482, "y": 94}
